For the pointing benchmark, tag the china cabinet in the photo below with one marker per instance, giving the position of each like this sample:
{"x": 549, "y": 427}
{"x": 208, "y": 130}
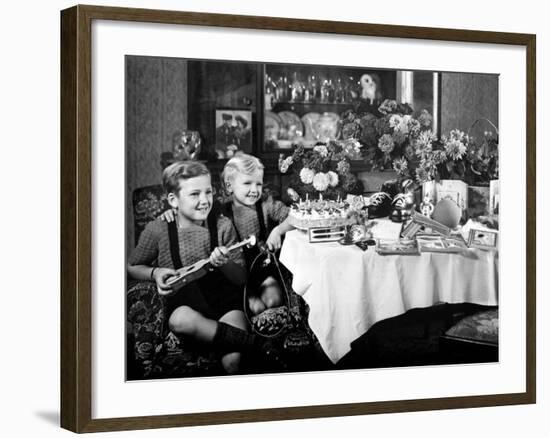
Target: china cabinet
{"x": 290, "y": 104}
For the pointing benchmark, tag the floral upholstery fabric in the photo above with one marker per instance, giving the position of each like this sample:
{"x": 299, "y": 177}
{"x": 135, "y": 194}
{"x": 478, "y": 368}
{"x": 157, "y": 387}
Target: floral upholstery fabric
{"x": 480, "y": 327}
{"x": 157, "y": 352}
{"x": 149, "y": 202}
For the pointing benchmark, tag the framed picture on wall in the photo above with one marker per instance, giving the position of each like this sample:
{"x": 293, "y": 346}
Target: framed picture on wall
{"x": 113, "y": 303}
{"x": 233, "y": 131}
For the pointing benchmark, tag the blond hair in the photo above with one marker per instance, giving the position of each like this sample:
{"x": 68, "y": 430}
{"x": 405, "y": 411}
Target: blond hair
{"x": 240, "y": 163}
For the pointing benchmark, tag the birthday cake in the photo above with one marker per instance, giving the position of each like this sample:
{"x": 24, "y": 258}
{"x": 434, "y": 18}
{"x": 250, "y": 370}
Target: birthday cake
{"x": 320, "y": 213}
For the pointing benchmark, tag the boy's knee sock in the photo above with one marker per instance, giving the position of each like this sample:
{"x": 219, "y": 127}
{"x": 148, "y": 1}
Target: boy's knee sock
{"x": 229, "y": 338}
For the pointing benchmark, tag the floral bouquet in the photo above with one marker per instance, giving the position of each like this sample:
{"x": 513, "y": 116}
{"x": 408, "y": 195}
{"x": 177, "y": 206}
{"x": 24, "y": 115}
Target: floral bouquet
{"x": 398, "y": 138}
{"x": 322, "y": 170}
{"x": 388, "y": 135}
{"x": 457, "y": 156}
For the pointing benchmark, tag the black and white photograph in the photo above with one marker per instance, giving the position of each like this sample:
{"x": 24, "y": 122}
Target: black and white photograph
{"x": 233, "y": 132}
{"x": 483, "y": 239}
{"x": 222, "y": 274}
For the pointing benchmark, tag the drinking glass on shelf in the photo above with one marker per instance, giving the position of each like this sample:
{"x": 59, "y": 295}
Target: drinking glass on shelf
{"x": 281, "y": 89}
{"x": 269, "y": 92}
{"x": 311, "y": 91}
{"x": 339, "y": 91}
{"x": 330, "y": 91}
{"x": 297, "y": 89}
{"x": 324, "y": 91}
{"x": 351, "y": 89}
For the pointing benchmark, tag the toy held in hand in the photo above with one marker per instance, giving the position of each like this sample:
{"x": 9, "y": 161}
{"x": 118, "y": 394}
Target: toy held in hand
{"x": 193, "y": 272}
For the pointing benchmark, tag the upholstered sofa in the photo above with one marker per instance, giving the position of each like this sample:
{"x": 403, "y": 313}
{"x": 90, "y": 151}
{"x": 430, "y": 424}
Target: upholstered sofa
{"x": 153, "y": 351}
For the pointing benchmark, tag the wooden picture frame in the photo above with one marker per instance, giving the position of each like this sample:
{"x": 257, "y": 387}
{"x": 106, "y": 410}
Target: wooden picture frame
{"x": 77, "y": 223}
{"x": 235, "y": 133}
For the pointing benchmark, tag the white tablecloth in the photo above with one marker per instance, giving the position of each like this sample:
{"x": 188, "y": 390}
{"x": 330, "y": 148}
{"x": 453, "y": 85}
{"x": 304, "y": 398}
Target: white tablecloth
{"x": 348, "y": 289}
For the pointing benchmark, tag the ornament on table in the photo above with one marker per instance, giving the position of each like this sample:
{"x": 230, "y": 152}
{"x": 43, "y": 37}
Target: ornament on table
{"x": 379, "y": 205}
{"x": 447, "y": 212}
{"x": 186, "y": 145}
{"x": 403, "y": 204}
{"x": 292, "y": 194}
{"x": 427, "y": 206}
{"x": 354, "y": 234}
{"x": 402, "y": 207}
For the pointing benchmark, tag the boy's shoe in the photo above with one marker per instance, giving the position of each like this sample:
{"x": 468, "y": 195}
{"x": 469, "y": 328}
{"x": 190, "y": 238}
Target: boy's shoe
{"x": 272, "y": 356}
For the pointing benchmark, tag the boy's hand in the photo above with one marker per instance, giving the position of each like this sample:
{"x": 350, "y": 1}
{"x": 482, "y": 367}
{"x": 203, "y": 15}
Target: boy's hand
{"x": 168, "y": 216}
{"x": 219, "y": 256}
{"x": 161, "y": 275}
{"x": 274, "y": 240}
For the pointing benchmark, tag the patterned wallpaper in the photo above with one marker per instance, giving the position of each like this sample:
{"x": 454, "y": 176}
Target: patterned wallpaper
{"x": 156, "y": 106}
{"x": 466, "y": 97}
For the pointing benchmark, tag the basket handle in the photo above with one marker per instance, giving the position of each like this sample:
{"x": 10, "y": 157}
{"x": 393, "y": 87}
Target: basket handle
{"x": 482, "y": 119}
{"x": 271, "y": 255}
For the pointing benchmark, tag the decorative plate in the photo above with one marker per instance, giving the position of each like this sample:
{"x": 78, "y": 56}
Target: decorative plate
{"x": 292, "y": 127}
{"x": 326, "y": 127}
{"x": 309, "y": 120}
{"x": 273, "y": 125}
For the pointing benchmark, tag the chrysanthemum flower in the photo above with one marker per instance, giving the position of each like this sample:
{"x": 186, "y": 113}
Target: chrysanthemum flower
{"x": 321, "y": 150}
{"x": 387, "y": 106}
{"x": 320, "y": 181}
{"x": 423, "y": 143}
{"x": 342, "y": 167}
{"x": 425, "y": 119}
{"x": 399, "y": 137}
{"x": 455, "y": 149}
{"x": 422, "y": 175}
{"x": 306, "y": 175}
{"x": 395, "y": 120}
{"x": 414, "y": 126}
{"x": 439, "y": 156}
{"x": 400, "y": 165}
{"x": 386, "y": 143}
{"x": 333, "y": 178}
{"x": 285, "y": 164}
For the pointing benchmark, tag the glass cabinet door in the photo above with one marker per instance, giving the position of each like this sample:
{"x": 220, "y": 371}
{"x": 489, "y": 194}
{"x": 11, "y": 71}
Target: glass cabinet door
{"x": 304, "y": 104}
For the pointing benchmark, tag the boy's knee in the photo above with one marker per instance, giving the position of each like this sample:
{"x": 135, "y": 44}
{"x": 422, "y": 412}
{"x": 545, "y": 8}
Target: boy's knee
{"x": 183, "y": 320}
{"x": 272, "y": 297}
{"x": 256, "y": 305}
{"x": 271, "y": 302}
{"x": 231, "y": 363}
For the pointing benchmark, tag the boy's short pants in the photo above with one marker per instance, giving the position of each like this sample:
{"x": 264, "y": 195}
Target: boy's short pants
{"x": 212, "y": 296}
